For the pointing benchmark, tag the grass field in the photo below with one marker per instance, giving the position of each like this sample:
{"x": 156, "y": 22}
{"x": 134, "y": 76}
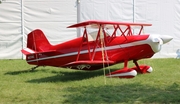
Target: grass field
{"x": 48, "y": 85}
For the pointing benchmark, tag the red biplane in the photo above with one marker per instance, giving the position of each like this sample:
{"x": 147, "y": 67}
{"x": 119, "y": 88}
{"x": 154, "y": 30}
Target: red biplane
{"x": 103, "y": 43}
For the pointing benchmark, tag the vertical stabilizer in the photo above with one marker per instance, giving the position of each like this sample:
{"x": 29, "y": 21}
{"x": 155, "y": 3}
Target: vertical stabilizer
{"x": 37, "y": 41}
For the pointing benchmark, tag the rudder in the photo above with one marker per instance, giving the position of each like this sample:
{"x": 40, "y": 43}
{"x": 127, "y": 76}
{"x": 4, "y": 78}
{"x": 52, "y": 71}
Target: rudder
{"x": 37, "y": 41}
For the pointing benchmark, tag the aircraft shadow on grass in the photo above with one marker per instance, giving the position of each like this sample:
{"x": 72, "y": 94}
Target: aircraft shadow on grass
{"x": 68, "y": 76}
{"x": 60, "y": 76}
{"x": 123, "y": 93}
{"x": 17, "y": 72}
{"x": 21, "y": 72}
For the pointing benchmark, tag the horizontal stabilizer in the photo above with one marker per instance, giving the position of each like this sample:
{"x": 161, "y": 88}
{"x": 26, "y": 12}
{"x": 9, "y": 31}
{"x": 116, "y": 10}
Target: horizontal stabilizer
{"x": 27, "y": 51}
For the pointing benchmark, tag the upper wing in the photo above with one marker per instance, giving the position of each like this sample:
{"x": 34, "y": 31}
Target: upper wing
{"x": 107, "y": 24}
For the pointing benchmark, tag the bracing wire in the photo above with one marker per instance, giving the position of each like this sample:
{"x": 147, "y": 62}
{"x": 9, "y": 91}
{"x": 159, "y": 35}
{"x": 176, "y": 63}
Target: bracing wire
{"x": 107, "y": 59}
{"x": 102, "y": 50}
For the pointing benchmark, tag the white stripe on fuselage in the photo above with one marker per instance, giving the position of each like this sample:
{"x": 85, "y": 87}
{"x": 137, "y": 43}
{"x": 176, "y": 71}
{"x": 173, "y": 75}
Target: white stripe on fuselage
{"x": 97, "y": 49}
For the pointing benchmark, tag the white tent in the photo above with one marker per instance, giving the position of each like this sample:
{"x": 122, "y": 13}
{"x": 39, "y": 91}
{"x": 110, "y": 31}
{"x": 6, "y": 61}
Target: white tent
{"x": 163, "y": 14}
{"x": 19, "y": 17}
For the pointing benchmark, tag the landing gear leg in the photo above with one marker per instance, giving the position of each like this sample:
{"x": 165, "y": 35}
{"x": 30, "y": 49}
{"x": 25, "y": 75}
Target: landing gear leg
{"x": 125, "y": 64}
{"x": 138, "y": 68}
{"x": 32, "y": 69}
{"x": 142, "y": 68}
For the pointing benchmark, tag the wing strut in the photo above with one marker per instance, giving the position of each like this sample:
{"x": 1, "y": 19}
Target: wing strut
{"x": 85, "y": 36}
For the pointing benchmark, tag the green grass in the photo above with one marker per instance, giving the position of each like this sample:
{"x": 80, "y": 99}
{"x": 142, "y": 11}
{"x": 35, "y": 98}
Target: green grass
{"x": 48, "y": 85}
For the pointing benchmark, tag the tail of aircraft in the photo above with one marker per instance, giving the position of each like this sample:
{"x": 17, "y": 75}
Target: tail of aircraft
{"x": 36, "y": 42}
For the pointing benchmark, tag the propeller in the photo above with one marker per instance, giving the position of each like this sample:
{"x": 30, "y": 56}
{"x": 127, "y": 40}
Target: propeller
{"x": 159, "y": 40}
{"x": 165, "y": 38}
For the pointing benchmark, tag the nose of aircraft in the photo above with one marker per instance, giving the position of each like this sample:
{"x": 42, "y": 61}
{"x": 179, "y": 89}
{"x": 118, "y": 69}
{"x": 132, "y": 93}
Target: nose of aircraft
{"x": 158, "y": 41}
{"x": 165, "y": 38}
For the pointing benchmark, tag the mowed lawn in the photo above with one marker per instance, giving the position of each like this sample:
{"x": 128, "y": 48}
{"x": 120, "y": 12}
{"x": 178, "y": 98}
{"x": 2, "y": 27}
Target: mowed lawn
{"x": 50, "y": 85}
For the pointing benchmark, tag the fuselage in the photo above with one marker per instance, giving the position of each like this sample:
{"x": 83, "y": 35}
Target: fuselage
{"x": 117, "y": 49}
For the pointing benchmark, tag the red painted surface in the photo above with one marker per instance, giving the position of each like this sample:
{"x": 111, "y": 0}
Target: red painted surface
{"x": 82, "y": 54}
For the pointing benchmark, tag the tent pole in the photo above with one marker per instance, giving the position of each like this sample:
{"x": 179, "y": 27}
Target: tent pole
{"x": 78, "y": 17}
{"x": 22, "y": 26}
